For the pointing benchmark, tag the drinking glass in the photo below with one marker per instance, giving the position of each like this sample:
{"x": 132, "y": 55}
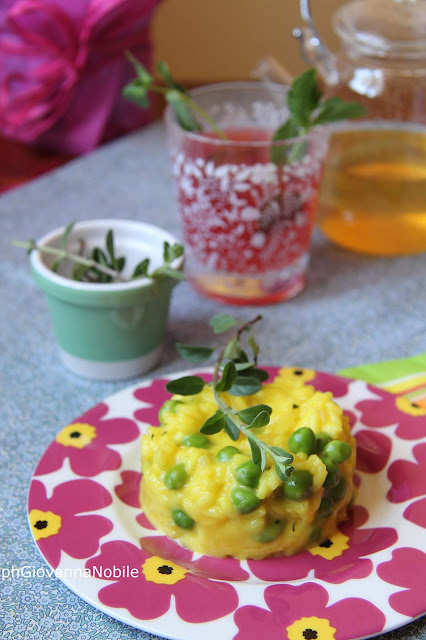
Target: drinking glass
{"x": 246, "y": 204}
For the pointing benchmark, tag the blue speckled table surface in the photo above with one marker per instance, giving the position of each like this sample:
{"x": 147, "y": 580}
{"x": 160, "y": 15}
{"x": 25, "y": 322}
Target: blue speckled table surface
{"x": 356, "y": 309}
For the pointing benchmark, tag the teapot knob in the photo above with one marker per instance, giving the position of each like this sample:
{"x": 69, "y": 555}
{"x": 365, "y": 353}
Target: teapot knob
{"x": 313, "y": 50}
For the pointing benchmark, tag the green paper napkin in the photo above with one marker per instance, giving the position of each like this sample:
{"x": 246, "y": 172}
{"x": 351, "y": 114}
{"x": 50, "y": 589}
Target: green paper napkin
{"x": 406, "y": 376}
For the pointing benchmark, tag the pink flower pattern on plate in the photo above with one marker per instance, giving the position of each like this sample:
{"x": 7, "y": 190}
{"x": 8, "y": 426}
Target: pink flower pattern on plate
{"x": 408, "y": 478}
{"x": 407, "y": 569}
{"x": 96, "y": 456}
{"x": 78, "y": 535}
{"x": 128, "y": 492}
{"x": 290, "y": 608}
{"x": 204, "y": 566}
{"x": 196, "y": 601}
{"x": 383, "y": 412}
{"x": 155, "y": 395}
{"x": 373, "y": 450}
{"x": 351, "y": 564}
{"x": 326, "y": 382}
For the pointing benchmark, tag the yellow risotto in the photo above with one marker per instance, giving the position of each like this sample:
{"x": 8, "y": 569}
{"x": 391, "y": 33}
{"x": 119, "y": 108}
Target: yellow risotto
{"x": 206, "y": 491}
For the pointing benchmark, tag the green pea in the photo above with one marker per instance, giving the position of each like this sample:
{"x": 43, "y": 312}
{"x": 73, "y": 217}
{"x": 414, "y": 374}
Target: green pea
{"x": 298, "y": 486}
{"x": 175, "y": 477}
{"x": 333, "y": 474}
{"x": 338, "y": 451}
{"x": 248, "y": 474}
{"x": 198, "y": 440}
{"x": 339, "y": 491}
{"x": 168, "y": 407}
{"x": 182, "y": 519}
{"x": 302, "y": 441}
{"x": 325, "y": 509}
{"x": 245, "y": 500}
{"x": 321, "y": 440}
{"x": 271, "y": 531}
{"x": 227, "y": 453}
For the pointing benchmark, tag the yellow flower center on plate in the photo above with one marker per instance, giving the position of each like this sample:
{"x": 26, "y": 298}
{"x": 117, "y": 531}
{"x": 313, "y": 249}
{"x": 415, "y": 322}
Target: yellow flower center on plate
{"x": 162, "y": 571}
{"x": 77, "y": 435}
{"x": 311, "y": 629}
{"x": 44, "y": 523}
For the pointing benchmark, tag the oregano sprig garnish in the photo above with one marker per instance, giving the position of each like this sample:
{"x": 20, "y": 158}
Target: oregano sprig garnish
{"x": 235, "y": 372}
{"x": 103, "y": 265}
{"x": 185, "y": 107}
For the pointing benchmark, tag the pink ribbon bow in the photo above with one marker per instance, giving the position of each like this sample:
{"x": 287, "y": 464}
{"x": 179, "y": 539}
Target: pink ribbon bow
{"x": 62, "y": 68}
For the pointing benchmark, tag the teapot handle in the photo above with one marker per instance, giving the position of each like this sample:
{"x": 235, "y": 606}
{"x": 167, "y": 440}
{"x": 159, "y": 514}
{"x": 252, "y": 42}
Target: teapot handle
{"x": 312, "y": 48}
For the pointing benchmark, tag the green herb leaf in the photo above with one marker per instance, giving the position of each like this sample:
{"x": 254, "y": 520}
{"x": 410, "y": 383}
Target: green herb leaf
{"x": 261, "y": 420}
{"x": 249, "y": 414}
{"x": 164, "y": 70}
{"x": 135, "y": 92}
{"x": 186, "y": 386}
{"x": 245, "y": 386}
{"x": 66, "y": 235}
{"x": 283, "y": 471}
{"x": 214, "y": 424}
{"x": 231, "y": 428}
{"x": 256, "y": 456}
{"x": 335, "y": 109}
{"x": 141, "y": 269}
{"x": 282, "y": 454}
{"x": 184, "y": 115}
{"x": 229, "y": 375}
{"x": 194, "y": 353}
{"x": 221, "y": 323}
{"x": 304, "y": 97}
{"x": 143, "y": 75}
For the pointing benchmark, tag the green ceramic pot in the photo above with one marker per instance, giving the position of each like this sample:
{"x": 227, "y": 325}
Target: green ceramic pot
{"x": 108, "y": 331}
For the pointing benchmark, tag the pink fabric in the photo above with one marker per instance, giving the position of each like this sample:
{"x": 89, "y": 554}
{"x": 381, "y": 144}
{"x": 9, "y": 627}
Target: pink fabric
{"x": 62, "y": 68}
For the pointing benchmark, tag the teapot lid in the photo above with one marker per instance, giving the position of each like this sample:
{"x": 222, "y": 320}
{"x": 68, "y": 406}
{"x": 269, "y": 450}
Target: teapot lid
{"x": 384, "y": 28}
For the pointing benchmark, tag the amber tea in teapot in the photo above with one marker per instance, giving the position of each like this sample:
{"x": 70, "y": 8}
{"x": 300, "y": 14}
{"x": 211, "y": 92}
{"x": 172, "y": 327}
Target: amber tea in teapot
{"x": 373, "y": 195}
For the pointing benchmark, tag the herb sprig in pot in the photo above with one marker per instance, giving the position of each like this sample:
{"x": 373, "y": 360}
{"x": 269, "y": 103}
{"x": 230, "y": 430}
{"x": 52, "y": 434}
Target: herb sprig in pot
{"x": 109, "y": 306}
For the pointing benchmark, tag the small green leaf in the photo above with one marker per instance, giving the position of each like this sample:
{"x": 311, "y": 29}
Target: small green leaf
{"x": 135, "y": 92}
{"x": 261, "y": 420}
{"x": 335, "y": 109}
{"x": 254, "y": 372}
{"x": 263, "y": 460}
{"x": 282, "y": 454}
{"x": 214, "y": 424}
{"x": 65, "y": 236}
{"x": 194, "y": 353}
{"x": 245, "y": 386}
{"x": 109, "y": 243}
{"x": 231, "y": 428}
{"x": 184, "y": 115}
{"x": 141, "y": 269}
{"x": 254, "y": 346}
{"x": 186, "y": 386}
{"x": 233, "y": 350}
{"x": 297, "y": 151}
{"x": 249, "y": 414}
{"x": 256, "y": 455}
{"x": 304, "y": 97}
{"x": 164, "y": 70}
{"x": 222, "y": 322}
{"x": 283, "y": 471}
{"x": 229, "y": 375}
{"x": 143, "y": 75}
{"x": 79, "y": 271}
{"x": 279, "y": 152}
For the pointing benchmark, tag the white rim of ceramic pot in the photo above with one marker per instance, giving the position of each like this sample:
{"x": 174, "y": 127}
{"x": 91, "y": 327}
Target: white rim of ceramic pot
{"x": 160, "y": 235}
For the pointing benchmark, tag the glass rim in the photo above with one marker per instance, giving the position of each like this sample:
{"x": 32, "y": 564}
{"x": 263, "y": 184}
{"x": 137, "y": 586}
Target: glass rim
{"x": 319, "y": 131}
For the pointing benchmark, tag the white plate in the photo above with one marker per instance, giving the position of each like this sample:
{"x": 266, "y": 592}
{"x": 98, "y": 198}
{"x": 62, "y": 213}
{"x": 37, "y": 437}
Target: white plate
{"x": 368, "y": 579}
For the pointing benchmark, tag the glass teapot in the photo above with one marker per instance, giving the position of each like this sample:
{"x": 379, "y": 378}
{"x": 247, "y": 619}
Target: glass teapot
{"x": 373, "y": 192}
{"x": 382, "y": 57}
